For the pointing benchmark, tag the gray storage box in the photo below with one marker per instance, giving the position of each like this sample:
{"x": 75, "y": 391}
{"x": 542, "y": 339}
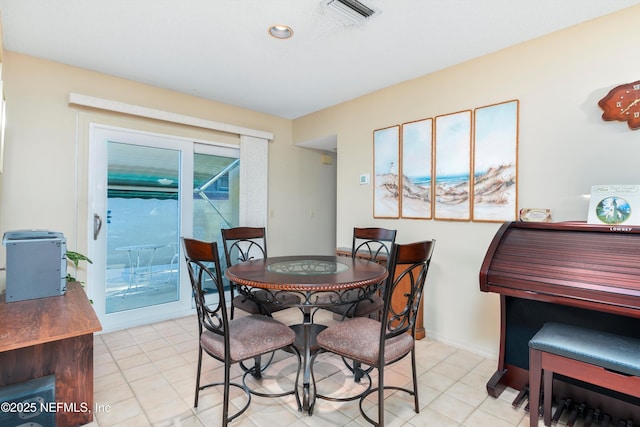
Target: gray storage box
{"x": 36, "y": 264}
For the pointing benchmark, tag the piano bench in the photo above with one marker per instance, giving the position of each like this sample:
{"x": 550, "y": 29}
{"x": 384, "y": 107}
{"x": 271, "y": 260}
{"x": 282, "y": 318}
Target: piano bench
{"x": 594, "y": 357}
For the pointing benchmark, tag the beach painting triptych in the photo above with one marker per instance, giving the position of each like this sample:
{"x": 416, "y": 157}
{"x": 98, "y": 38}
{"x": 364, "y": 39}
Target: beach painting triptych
{"x": 459, "y": 167}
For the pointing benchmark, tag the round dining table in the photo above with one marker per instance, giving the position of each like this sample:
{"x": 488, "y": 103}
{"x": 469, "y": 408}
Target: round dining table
{"x": 308, "y": 282}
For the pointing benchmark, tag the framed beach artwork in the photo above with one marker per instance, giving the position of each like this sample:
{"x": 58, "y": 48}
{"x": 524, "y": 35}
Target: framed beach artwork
{"x": 416, "y": 150}
{"x": 386, "y": 169}
{"x": 495, "y": 162}
{"x": 452, "y": 186}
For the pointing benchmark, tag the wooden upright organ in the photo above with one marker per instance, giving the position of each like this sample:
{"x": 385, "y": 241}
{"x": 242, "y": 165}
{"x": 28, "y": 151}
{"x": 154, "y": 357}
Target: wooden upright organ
{"x": 569, "y": 272}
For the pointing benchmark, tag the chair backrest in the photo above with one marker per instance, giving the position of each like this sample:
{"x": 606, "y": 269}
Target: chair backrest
{"x": 203, "y": 264}
{"x": 373, "y": 243}
{"x": 408, "y": 267}
{"x": 243, "y": 243}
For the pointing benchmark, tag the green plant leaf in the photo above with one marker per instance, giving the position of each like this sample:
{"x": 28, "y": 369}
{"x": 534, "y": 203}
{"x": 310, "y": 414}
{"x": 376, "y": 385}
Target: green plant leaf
{"x": 75, "y": 258}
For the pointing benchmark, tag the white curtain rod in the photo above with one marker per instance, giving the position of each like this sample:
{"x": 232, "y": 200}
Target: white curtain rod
{"x": 152, "y": 113}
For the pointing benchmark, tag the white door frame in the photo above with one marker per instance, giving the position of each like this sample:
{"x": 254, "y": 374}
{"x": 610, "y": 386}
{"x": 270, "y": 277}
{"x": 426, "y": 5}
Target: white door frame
{"x": 253, "y": 211}
{"x": 97, "y": 197}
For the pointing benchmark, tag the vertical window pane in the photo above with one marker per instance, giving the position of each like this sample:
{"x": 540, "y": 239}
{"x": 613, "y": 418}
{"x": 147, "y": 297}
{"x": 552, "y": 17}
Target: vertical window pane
{"x": 142, "y": 226}
{"x": 215, "y": 204}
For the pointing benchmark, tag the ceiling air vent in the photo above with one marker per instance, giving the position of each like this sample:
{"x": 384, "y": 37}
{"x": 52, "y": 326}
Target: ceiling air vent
{"x": 352, "y": 9}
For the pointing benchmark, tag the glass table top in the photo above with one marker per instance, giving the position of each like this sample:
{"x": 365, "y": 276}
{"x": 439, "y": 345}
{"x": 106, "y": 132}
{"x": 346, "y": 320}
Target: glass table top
{"x": 307, "y": 267}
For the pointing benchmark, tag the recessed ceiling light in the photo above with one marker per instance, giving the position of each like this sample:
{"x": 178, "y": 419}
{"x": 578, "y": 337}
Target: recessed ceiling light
{"x": 280, "y": 31}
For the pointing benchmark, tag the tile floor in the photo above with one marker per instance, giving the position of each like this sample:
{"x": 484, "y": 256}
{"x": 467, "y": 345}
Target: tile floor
{"x": 145, "y": 376}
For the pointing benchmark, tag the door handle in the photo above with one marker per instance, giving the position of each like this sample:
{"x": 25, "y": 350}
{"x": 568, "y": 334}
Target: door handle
{"x": 97, "y": 226}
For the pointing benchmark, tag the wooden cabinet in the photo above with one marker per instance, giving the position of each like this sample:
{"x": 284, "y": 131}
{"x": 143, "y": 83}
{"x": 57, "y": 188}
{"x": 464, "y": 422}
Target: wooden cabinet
{"x": 420, "y": 331}
{"x": 52, "y": 336}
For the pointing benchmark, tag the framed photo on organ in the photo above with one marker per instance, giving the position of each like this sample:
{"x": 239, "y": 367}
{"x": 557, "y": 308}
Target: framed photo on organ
{"x": 614, "y": 205}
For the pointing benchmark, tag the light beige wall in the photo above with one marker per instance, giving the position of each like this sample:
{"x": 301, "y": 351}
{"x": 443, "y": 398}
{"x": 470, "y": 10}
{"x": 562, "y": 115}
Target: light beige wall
{"x": 44, "y": 135}
{"x": 564, "y": 148}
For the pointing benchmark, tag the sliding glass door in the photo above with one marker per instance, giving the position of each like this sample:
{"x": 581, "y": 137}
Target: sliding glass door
{"x": 142, "y": 226}
{"x": 148, "y": 190}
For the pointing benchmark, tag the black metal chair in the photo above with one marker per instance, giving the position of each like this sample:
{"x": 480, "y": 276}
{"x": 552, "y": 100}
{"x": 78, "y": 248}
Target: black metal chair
{"x": 375, "y": 245}
{"x": 230, "y": 340}
{"x": 379, "y": 343}
{"x": 244, "y": 244}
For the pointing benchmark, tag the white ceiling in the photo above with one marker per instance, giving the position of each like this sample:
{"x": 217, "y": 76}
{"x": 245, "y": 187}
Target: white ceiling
{"x": 220, "y": 49}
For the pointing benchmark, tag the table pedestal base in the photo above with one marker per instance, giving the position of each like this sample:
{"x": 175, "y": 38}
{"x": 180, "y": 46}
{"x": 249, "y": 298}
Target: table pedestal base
{"x": 306, "y": 344}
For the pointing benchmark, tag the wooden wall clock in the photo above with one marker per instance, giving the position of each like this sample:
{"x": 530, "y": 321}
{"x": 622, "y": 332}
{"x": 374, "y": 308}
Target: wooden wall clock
{"x": 622, "y": 103}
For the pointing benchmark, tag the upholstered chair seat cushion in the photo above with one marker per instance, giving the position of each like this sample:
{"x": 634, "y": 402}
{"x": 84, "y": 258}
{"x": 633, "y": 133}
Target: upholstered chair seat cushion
{"x": 284, "y": 300}
{"x": 249, "y": 336}
{"x": 243, "y": 303}
{"x": 363, "y": 308}
{"x": 358, "y": 338}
